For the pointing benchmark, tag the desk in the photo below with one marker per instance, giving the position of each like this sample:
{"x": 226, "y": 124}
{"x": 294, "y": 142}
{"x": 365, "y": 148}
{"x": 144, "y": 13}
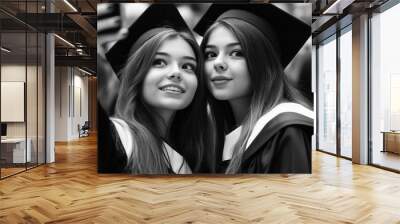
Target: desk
{"x": 15, "y": 148}
{"x": 391, "y": 141}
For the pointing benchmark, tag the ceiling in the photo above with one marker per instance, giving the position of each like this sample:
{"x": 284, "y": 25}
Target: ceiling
{"x": 79, "y": 27}
{"x": 76, "y": 27}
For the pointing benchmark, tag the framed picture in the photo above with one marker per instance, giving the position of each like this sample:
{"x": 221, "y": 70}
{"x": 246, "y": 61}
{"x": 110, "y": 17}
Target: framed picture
{"x": 204, "y": 88}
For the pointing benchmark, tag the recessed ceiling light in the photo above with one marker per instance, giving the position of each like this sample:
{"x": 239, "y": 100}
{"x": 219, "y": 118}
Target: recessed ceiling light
{"x": 84, "y": 71}
{"x": 64, "y": 40}
{"x": 5, "y": 50}
{"x": 70, "y": 5}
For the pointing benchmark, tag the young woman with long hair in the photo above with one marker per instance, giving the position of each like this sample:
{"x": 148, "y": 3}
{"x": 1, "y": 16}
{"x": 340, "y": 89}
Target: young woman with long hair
{"x": 263, "y": 124}
{"x": 160, "y": 118}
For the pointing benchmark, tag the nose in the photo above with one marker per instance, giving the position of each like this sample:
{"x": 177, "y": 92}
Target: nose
{"x": 219, "y": 64}
{"x": 175, "y": 74}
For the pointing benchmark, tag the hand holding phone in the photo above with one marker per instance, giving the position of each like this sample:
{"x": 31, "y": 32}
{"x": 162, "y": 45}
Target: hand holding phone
{"x": 109, "y": 24}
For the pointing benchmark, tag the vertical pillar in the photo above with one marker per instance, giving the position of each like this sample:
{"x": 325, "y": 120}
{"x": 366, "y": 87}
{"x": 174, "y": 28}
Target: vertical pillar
{"x": 360, "y": 89}
{"x": 50, "y": 92}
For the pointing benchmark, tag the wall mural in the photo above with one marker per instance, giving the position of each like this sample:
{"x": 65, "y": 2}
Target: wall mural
{"x": 204, "y": 88}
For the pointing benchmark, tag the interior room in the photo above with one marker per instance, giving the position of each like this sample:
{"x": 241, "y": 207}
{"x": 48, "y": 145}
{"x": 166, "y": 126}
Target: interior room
{"x": 49, "y": 130}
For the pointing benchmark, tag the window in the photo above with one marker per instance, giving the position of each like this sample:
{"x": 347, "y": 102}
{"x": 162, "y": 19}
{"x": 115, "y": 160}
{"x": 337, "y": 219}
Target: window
{"x": 385, "y": 88}
{"x": 346, "y": 92}
{"x": 327, "y": 95}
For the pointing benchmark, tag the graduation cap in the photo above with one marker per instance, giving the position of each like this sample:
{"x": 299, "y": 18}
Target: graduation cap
{"x": 155, "y": 16}
{"x": 290, "y": 33}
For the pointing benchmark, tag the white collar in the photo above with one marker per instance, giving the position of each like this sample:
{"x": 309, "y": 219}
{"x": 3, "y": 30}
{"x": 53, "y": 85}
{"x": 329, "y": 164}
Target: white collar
{"x": 230, "y": 141}
{"x": 124, "y": 134}
{"x": 177, "y": 162}
{"x": 232, "y": 137}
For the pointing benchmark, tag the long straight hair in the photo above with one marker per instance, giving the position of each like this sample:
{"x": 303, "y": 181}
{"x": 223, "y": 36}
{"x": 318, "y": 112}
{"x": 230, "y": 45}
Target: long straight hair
{"x": 190, "y": 128}
{"x": 268, "y": 82}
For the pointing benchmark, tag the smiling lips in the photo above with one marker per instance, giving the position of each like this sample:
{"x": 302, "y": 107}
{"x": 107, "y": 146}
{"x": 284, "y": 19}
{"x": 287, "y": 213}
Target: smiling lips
{"x": 220, "y": 80}
{"x": 171, "y": 88}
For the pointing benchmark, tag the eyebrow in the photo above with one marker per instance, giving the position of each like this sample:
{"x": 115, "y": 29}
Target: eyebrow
{"x": 228, "y": 45}
{"x": 168, "y": 55}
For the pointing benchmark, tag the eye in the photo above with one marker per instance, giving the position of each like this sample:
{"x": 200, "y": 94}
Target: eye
{"x": 189, "y": 67}
{"x": 210, "y": 54}
{"x": 159, "y": 63}
{"x": 237, "y": 53}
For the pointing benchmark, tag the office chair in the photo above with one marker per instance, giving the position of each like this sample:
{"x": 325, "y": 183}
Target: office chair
{"x": 84, "y": 130}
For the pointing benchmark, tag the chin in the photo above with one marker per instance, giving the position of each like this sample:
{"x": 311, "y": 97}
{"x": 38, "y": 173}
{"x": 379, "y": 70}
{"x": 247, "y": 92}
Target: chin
{"x": 174, "y": 105}
{"x": 222, "y": 95}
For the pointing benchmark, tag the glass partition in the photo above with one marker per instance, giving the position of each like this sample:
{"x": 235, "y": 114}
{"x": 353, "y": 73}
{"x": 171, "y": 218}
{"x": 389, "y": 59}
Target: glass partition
{"x": 327, "y": 95}
{"x": 22, "y": 88}
{"x": 13, "y": 109}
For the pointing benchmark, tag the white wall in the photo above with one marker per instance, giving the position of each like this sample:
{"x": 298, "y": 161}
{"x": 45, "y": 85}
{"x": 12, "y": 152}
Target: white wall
{"x": 61, "y": 103}
{"x": 33, "y": 104}
{"x": 17, "y": 73}
{"x": 14, "y": 72}
{"x": 80, "y": 105}
{"x": 71, "y": 102}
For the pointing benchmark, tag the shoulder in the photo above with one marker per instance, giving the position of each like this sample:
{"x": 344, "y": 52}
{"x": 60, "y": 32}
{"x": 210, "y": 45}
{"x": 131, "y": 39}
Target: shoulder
{"x": 288, "y": 150}
{"x": 292, "y": 150}
{"x": 292, "y": 138}
{"x": 281, "y": 116}
{"x": 295, "y": 131}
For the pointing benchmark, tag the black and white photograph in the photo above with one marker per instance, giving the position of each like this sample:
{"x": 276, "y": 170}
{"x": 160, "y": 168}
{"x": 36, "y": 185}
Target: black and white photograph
{"x": 204, "y": 88}
{"x": 222, "y": 111}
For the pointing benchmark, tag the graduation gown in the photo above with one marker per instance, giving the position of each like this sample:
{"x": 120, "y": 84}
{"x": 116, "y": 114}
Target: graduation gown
{"x": 177, "y": 163}
{"x": 109, "y": 158}
{"x": 280, "y": 142}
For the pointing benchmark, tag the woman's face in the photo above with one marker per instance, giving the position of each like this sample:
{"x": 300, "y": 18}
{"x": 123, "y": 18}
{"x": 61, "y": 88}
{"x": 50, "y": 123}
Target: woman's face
{"x": 225, "y": 66}
{"x": 171, "y": 82}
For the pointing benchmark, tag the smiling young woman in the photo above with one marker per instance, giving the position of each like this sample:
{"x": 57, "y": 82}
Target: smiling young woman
{"x": 263, "y": 124}
{"x": 161, "y": 90}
